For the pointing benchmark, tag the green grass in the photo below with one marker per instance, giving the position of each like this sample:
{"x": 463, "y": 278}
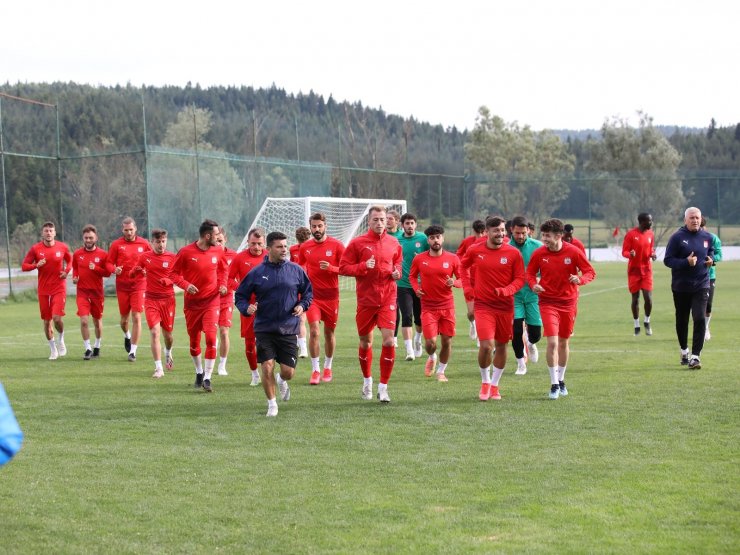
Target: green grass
{"x": 642, "y": 456}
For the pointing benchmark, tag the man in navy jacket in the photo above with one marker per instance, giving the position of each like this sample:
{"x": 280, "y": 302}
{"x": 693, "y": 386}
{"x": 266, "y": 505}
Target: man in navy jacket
{"x": 689, "y": 254}
{"x": 282, "y": 293}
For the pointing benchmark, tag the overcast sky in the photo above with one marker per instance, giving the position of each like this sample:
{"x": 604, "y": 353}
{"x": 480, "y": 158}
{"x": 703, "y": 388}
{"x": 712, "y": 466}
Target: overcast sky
{"x": 544, "y": 63}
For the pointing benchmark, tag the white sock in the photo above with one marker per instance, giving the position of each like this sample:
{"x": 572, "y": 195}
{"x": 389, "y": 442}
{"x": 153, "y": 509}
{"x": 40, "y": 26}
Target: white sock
{"x": 520, "y": 362}
{"x": 328, "y": 361}
{"x": 278, "y": 379}
{"x": 382, "y": 387}
{"x": 408, "y": 343}
{"x": 52, "y": 344}
{"x": 708, "y": 318}
{"x": 167, "y": 352}
{"x": 157, "y": 364}
{"x": 647, "y": 319}
{"x": 61, "y": 337}
{"x": 255, "y": 374}
{"x": 417, "y": 336}
{"x": 433, "y": 356}
{"x": 561, "y": 373}
{"x": 441, "y": 368}
{"x": 86, "y": 344}
{"x": 97, "y": 343}
{"x": 302, "y": 342}
{"x": 553, "y": 375}
{"x": 496, "y": 376}
{"x": 133, "y": 349}
{"x": 685, "y": 352}
{"x": 222, "y": 363}
{"x": 368, "y": 381}
{"x": 315, "y": 364}
{"x": 637, "y": 322}
{"x": 127, "y": 335}
{"x": 209, "y": 364}
{"x": 271, "y": 403}
{"x": 196, "y": 362}
{"x": 485, "y": 375}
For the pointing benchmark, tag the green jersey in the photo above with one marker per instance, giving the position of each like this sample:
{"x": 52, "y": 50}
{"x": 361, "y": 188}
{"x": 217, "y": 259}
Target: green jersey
{"x": 529, "y": 246}
{"x": 411, "y": 246}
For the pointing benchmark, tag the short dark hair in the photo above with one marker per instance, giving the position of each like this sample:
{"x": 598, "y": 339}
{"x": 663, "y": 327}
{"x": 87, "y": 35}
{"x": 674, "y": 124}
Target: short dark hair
{"x": 257, "y": 232}
{"x": 317, "y": 216}
{"x": 568, "y": 228}
{"x": 519, "y": 221}
{"x": 479, "y": 226}
{"x": 88, "y": 228}
{"x": 408, "y": 216}
{"x": 275, "y": 236}
{"x": 158, "y": 233}
{"x": 553, "y": 225}
{"x": 494, "y": 221}
{"x": 302, "y": 234}
{"x": 530, "y": 225}
{"x": 48, "y": 224}
{"x": 206, "y": 227}
{"x": 643, "y": 216}
{"x": 703, "y": 222}
{"x": 434, "y": 229}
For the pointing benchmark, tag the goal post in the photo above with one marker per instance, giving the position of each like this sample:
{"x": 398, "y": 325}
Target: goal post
{"x": 346, "y": 218}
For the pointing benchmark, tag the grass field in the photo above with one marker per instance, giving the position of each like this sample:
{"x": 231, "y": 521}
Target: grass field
{"x": 642, "y": 456}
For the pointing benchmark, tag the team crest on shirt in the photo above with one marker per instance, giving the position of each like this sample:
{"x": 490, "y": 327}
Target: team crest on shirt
{"x": 418, "y": 244}
{"x": 59, "y": 254}
{"x": 706, "y": 244}
{"x": 97, "y": 259}
{"x": 445, "y": 264}
{"x": 329, "y": 252}
{"x": 140, "y": 249}
{"x": 165, "y": 264}
{"x": 567, "y": 260}
{"x": 392, "y": 307}
{"x": 213, "y": 260}
{"x": 504, "y": 260}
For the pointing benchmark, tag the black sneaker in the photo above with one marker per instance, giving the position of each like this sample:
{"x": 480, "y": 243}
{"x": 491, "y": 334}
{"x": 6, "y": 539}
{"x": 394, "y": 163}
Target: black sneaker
{"x": 563, "y": 389}
{"x": 198, "y": 381}
{"x": 132, "y": 357}
{"x": 684, "y": 359}
{"x": 96, "y": 352}
{"x": 694, "y": 363}
{"x": 648, "y": 329}
{"x": 207, "y": 386}
{"x": 637, "y": 330}
{"x": 127, "y": 344}
{"x": 88, "y": 355}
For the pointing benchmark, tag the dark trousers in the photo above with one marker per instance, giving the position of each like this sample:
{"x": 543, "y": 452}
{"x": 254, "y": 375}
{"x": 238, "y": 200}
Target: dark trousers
{"x": 692, "y": 304}
{"x": 517, "y": 342}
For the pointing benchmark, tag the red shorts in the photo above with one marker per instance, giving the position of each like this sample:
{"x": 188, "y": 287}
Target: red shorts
{"x": 90, "y": 306}
{"x": 368, "y": 317}
{"x": 324, "y": 311}
{"x": 247, "y": 327}
{"x": 201, "y": 320}
{"x": 436, "y": 322}
{"x": 130, "y": 301}
{"x": 557, "y": 321}
{"x": 498, "y": 326}
{"x": 636, "y": 283}
{"x": 160, "y": 311}
{"x": 52, "y": 305}
{"x": 226, "y": 315}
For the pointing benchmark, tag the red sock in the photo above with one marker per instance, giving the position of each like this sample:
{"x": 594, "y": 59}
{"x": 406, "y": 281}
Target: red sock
{"x": 250, "y": 348}
{"x": 366, "y": 362}
{"x": 387, "y": 358}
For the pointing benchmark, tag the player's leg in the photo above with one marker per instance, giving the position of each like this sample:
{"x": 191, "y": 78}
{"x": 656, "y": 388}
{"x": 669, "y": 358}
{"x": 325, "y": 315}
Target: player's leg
{"x": 682, "y": 305}
{"x": 268, "y": 385}
{"x": 313, "y": 315}
{"x": 124, "y": 310}
{"x": 57, "y": 314}
{"x": 387, "y": 358}
{"x": 446, "y": 328}
{"x": 485, "y": 326}
{"x": 250, "y": 347}
{"x": 517, "y": 343}
{"x": 710, "y": 300}
{"x": 155, "y": 332}
{"x": 647, "y": 299}
{"x": 416, "y": 302}
{"x": 698, "y": 314}
{"x": 406, "y": 305}
{"x": 430, "y": 327}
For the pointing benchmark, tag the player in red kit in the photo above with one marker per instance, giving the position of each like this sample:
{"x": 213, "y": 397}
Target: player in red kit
{"x": 496, "y": 273}
{"x": 436, "y": 267}
{"x": 374, "y": 260}
{"x": 638, "y": 248}
{"x": 479, "y": 235}
{"x": 226, "y": 310}
{"x": 302, "y": 234}
{"x": 203, "y": 268}
{"x": 243, "y": 262}
{"x": 52, "y": 259}
{"x": 157, "y": 266}
{"x": 320, "y": 258}
{"x": 562, "y": 269}
{"x": 89, "y": 269}
{"x": 123, "y": 255}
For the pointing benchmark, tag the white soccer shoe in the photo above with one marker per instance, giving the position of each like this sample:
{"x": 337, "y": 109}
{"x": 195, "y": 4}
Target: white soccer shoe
{"x": 284, "y": 391}
{"x": 367, "y": 391}
{"x": 61, "y": 348}
{"x": 255, "y": 381}
{"x": 521, "y": 369}
{"x": 222, "y": 371}
{"x": 54, "y": 354}
{"x": 534, "y": 354}
{"x": 383, "y": 396}
{"x": 303, "y": 352}
{"x": 158, "y": 373}
{"x": 410, "y": 355}
{"x": 272, "y": 411}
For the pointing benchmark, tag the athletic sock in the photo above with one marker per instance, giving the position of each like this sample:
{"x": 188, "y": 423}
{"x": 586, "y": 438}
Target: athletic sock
{"x": 328, "y": 361}
{"x": 86, "y": 344}
{"x": 646, "y": 319}
{"x": 255, "y": 374}
{"x": 366, "y": 361}
{"x": 485, "y": 375}
{"x": 127, "y": 335}
{"x": 133, "y": 349}
{"x": 637, "y": 322}
{"x": 387, "y": 357}
{"x": 441, "y": 368}
{"x": 222, "y": 363}
{"x": 496, "y": 375}
{"x": 197, "y": 363}
{"x": 409, "y": 344}
{"x": 97, "y": 343}
{"x": 315, "y": 364}
{"x": 158, "y": 365}
{"x": 561, "y": 373}
{"x": 553, "y": 375}
{"x": 209, "y": 364}
{"x": 302, "y": 342}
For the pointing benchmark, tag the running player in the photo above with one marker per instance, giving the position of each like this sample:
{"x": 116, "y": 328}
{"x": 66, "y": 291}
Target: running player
{"x": 374, "y": 260}
{"x": 431, "y": 278}
{"x": 302, "y": 234}
{"x": 123, "y": 255}
{"x": 203, "y": 267}
{"x": 412, "y": 243}
{"x": 638, "y": 248}
{"x": 320, "y": 257}
{"x": 496, "y": 272}
{"x": 717, "y": 257}
{"x": 562, "y": 268}
{"x": 52, "y": 259}
{"x": 479, "y": 234}
{"x": 157, "y": 266}
{"x": 242, "y": 264}
{"x": 89, "y": 269}
{"x": 226, "y": 310}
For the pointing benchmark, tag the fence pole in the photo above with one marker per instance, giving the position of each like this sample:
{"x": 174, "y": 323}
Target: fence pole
{"x": 59, "y": 172}
{"x": 5, "y": 199}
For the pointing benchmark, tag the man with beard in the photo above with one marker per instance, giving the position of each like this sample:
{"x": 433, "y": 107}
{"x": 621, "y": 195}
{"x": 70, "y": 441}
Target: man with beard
{"x": 320, "y": 257}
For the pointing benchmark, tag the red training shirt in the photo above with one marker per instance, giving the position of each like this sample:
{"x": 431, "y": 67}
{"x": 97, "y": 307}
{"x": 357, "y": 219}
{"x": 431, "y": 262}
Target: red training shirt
{"x": 206, "y": 269}
{"x": 126, "y": 254}
{"x": 58, "y": 260}
{"x": 495, "y": 275}
{"x": 555, "y": 268}
{"x": 434, "y": 272}
{"x": 325, "y": 283}
{"x": 90, "y": 282}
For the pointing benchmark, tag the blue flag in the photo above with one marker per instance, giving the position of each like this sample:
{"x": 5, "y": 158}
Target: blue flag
{"x": 11, "y": 435}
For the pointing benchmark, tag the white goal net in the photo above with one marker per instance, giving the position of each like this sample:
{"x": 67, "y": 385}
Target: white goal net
{"x": 345, "y": 217}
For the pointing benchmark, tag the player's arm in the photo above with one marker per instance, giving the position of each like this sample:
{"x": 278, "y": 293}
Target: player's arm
{"x": 414, "y": 278}
{"x": 588, "y": 273}
{"x": 339, "y": 253}
{"x": 242, "y": 295}
{"x": 626, "y": 251}
{"x": 530, "y": 274}
{"x": 673, "y": 258}
{"x": 306, "y": 290}
{"x": 350, "y": 264}
{"x": 222, "y": 275}
{"x": 717, "y": 244}
{"x": 29, "y": 262}
{"x": 518, "y": 279}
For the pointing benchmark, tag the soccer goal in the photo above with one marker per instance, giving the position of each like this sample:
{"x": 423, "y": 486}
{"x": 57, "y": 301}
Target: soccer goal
{"x": 345, "y": 217}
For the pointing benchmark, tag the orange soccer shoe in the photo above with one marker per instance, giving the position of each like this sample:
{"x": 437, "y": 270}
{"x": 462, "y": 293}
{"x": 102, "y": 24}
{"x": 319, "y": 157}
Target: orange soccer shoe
{"x": 429, "y": 367}
{"x": 327, "y": 375}
{"x": 495, "y": 395}
{"x": 315, "y": 378}
{"x": 485, "y": 391}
